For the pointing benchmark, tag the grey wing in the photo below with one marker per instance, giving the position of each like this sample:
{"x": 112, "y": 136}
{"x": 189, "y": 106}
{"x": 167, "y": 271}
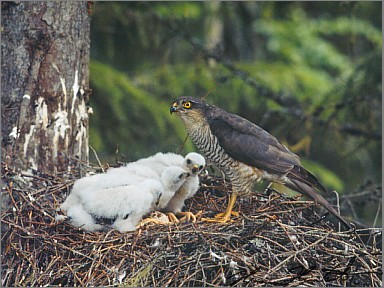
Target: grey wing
{"x": 303, "y": 175}
{"x": 250, "y": 144}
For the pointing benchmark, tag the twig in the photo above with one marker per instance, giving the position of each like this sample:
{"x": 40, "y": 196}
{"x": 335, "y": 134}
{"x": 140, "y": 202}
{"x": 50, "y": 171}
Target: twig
{"x": 182, "y": 145}
{"x": 97, "y": 158}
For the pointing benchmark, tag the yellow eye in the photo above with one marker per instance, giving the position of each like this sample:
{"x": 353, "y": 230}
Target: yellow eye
{"x": 187, "y": 105}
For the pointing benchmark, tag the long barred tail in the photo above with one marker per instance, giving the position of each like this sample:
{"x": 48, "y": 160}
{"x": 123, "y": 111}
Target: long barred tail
{"x": 307, "y": 190}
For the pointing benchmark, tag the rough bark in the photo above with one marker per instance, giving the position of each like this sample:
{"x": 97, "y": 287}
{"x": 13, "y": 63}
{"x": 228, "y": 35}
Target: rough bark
{"x": 45, "y": 78}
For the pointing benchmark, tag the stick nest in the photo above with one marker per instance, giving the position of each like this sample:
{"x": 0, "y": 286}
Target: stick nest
{"x": 277, "y": 241}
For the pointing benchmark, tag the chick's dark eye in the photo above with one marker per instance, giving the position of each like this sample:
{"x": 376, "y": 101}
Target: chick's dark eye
{"x": 187, "y": 105}
{"x": 189, "y": 161}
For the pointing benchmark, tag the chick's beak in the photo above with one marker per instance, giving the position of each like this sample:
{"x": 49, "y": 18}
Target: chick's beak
{"x": 158, "y": 199}
{"x": 173, "y": 107}
{"x": 195, "y": 169}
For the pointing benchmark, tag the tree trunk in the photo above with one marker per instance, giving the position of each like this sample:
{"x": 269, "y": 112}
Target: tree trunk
{"x": 45, "y": 78}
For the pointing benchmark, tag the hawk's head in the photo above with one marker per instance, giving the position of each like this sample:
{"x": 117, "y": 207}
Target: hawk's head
{"x": 190, "y": 109}
{"x": 186, "y": 104}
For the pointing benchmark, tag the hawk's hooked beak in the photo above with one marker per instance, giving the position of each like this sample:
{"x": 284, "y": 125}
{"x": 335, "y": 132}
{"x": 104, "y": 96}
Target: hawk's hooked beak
{"x": 173, "y": 107}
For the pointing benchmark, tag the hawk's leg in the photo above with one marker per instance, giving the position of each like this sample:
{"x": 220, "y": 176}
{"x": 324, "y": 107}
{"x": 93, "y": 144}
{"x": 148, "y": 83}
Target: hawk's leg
{"x": 225, "y": 216}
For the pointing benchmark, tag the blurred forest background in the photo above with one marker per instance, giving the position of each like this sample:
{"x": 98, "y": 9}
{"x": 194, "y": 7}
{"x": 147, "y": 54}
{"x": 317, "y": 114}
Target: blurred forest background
{"x": 307, "y": 72}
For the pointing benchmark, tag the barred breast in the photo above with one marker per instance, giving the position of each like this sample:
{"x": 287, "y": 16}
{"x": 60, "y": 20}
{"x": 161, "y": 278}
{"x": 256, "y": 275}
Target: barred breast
{"x": 241, "y": 175}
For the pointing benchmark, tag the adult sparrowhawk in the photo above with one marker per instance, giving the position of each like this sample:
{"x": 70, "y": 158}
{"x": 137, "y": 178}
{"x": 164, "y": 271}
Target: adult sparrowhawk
{"x": 245, "y": 152}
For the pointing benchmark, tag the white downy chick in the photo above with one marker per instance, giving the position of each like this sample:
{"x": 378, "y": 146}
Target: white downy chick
{"x": 160, "y": 161}
{"x": 172, "y": 178}
{"x": 127, "y": 203}
{"x": 114, "y": 177}
{"x": 104, "y": 195}
{"x": 79, "y": 217}
{"x": 132, "y": 173}
{"x": 193, "y": 163}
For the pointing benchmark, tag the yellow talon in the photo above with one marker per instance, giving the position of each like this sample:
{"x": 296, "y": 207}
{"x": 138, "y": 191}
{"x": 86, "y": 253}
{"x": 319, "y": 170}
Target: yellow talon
{"x": 187, "y": 216}
{"x": 172, "y": 218}
{"x": 222, "y": 215}
{"x": 225, "y": 216}
{"x": 150, "y": 220}
{"x": 159, "y": 219}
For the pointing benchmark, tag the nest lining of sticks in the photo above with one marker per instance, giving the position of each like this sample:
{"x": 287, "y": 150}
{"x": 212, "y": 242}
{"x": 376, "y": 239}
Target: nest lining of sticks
{"x": 277, "y": 241}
